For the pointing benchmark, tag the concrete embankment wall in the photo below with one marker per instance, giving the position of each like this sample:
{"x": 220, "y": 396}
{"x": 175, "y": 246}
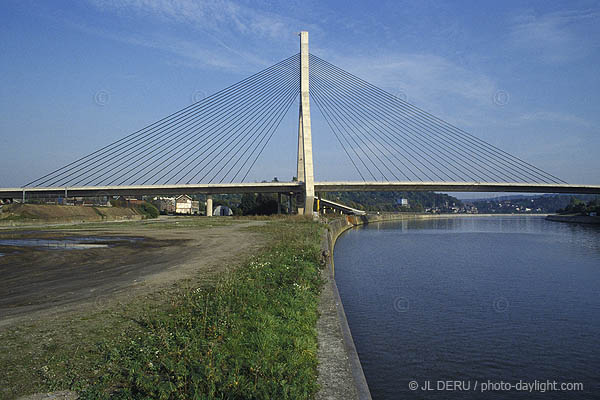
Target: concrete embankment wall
{"x": 33, "y": 214}
{"x": 340, "y": 371}
{"x": 578, "y": 219}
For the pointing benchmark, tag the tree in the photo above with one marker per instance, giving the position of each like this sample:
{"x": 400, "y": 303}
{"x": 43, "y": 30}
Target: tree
{"x": 265, "y": 204}
{"x": 248, "y": 204}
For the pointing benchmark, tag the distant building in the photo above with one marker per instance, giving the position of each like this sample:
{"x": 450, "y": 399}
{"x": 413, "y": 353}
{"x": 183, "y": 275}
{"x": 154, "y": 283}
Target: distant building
{"x": 185, "y": 205}
{"x": 129, "y": 201}
{"x": 402, "y": 202}
{"x": 165, "y": 205}
{"x": 100, "y": 201}
{"x": 222, "y": 211}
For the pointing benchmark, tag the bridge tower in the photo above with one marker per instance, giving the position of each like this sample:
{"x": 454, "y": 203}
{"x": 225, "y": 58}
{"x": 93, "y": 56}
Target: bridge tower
{"x": 305, "y": 160}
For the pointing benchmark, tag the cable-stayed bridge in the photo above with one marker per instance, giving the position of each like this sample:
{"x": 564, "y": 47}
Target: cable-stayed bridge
{"x": 211, "y": 146}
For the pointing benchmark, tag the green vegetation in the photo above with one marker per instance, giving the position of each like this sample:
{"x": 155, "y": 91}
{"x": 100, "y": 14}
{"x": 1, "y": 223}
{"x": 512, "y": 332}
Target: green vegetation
{"x": 577, "y": 206}
{"x": 148, "y": 210}
{"x": 252, "y": 334}
{"x": 390, "y": 201}
{"x": 16, "y": 212}
{"x": 14, "y": 218}
{"x": 538, "y": 204}
{"x": 248, "y": 203}
{"x": 266, "y": 204}
{"x": 261, "y": 204}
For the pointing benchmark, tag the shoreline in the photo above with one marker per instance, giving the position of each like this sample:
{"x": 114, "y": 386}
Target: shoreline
{"x": 340, "y": 370}
{"x": 574, "y": 219}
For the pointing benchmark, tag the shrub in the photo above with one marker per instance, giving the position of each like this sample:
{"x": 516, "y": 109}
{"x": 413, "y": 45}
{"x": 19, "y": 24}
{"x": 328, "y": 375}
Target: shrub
{"x": 148, "y": 210}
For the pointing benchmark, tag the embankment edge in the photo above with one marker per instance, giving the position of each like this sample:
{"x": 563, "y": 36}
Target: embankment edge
{"x": 340, "y": 372}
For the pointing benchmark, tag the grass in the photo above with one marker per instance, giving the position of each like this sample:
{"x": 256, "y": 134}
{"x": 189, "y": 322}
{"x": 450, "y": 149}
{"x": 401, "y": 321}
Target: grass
{"x": 12, "y": 217}
{"x": 250, "y": 335}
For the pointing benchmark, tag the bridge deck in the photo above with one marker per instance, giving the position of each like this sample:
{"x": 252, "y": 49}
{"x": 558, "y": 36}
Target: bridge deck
{"x": 456, "y": 187}
{"x": 295, "y": 187}
{"x": 342, "y": 207}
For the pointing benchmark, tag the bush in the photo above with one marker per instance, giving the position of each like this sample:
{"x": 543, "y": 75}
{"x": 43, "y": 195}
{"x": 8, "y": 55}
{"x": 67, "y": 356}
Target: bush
{"x": 148, "y": 210}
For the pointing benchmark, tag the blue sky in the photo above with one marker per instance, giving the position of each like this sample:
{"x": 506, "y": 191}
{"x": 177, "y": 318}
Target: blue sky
{"x": 76, "y": 75}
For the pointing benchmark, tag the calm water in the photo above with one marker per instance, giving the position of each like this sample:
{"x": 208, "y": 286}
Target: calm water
{"x": 476, "y": 300}
{"x": 66, "y": 243}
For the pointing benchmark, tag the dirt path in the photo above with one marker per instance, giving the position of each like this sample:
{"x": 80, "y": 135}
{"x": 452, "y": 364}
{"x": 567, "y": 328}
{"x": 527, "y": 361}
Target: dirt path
{"x": 141, "y": 256}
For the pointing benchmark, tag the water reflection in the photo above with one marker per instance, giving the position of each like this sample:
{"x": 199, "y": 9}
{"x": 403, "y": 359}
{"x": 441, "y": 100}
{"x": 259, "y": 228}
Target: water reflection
{"x": 585, "y": 235}
{"x": 66, "y": 243}
{"x": 472, "y": 298}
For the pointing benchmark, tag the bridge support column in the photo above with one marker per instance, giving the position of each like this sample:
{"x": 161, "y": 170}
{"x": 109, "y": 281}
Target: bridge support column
{"x": 305, "y": 159}
{"x": 300, "y": 203}
{"x": 209, "y": 206}
{"x": 278, "y": 203}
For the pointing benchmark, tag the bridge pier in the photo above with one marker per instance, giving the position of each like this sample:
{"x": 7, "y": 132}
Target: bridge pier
{"x": 305, "y": 159}
{"x": 209, "y": 206}
{"x": 278, "y": 203}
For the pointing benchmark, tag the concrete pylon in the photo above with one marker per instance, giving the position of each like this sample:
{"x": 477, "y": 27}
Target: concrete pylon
{"x": 209, "y": 206}
{"x": 300, "y": 172}
{"x": 305, "y": 159}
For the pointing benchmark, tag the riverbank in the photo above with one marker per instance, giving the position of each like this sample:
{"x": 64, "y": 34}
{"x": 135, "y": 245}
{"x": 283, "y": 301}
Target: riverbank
{"x": 240, "y": 296}
{"x": 15, "y": 215}
{"x": 340, "y": 371}
{"x": 403, "y": 283}
{"x": 576, "y": 219}
{"x": 246, "y": 331}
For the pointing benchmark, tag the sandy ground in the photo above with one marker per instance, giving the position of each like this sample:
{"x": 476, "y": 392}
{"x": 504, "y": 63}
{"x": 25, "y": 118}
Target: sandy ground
{"x": 42, "y": 281}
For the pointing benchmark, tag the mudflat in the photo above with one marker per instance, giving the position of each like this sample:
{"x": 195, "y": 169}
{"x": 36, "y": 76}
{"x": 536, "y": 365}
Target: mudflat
{"x": 57, "y": 268}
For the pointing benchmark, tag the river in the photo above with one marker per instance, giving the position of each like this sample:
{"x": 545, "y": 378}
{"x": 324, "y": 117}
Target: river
{"x": 458, "y": 307}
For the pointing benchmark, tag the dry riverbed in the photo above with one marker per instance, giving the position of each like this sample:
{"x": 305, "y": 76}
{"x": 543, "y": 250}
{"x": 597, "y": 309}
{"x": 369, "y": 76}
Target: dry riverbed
{"x": 46, "y": 271}
{"x": 67, "y": 287}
